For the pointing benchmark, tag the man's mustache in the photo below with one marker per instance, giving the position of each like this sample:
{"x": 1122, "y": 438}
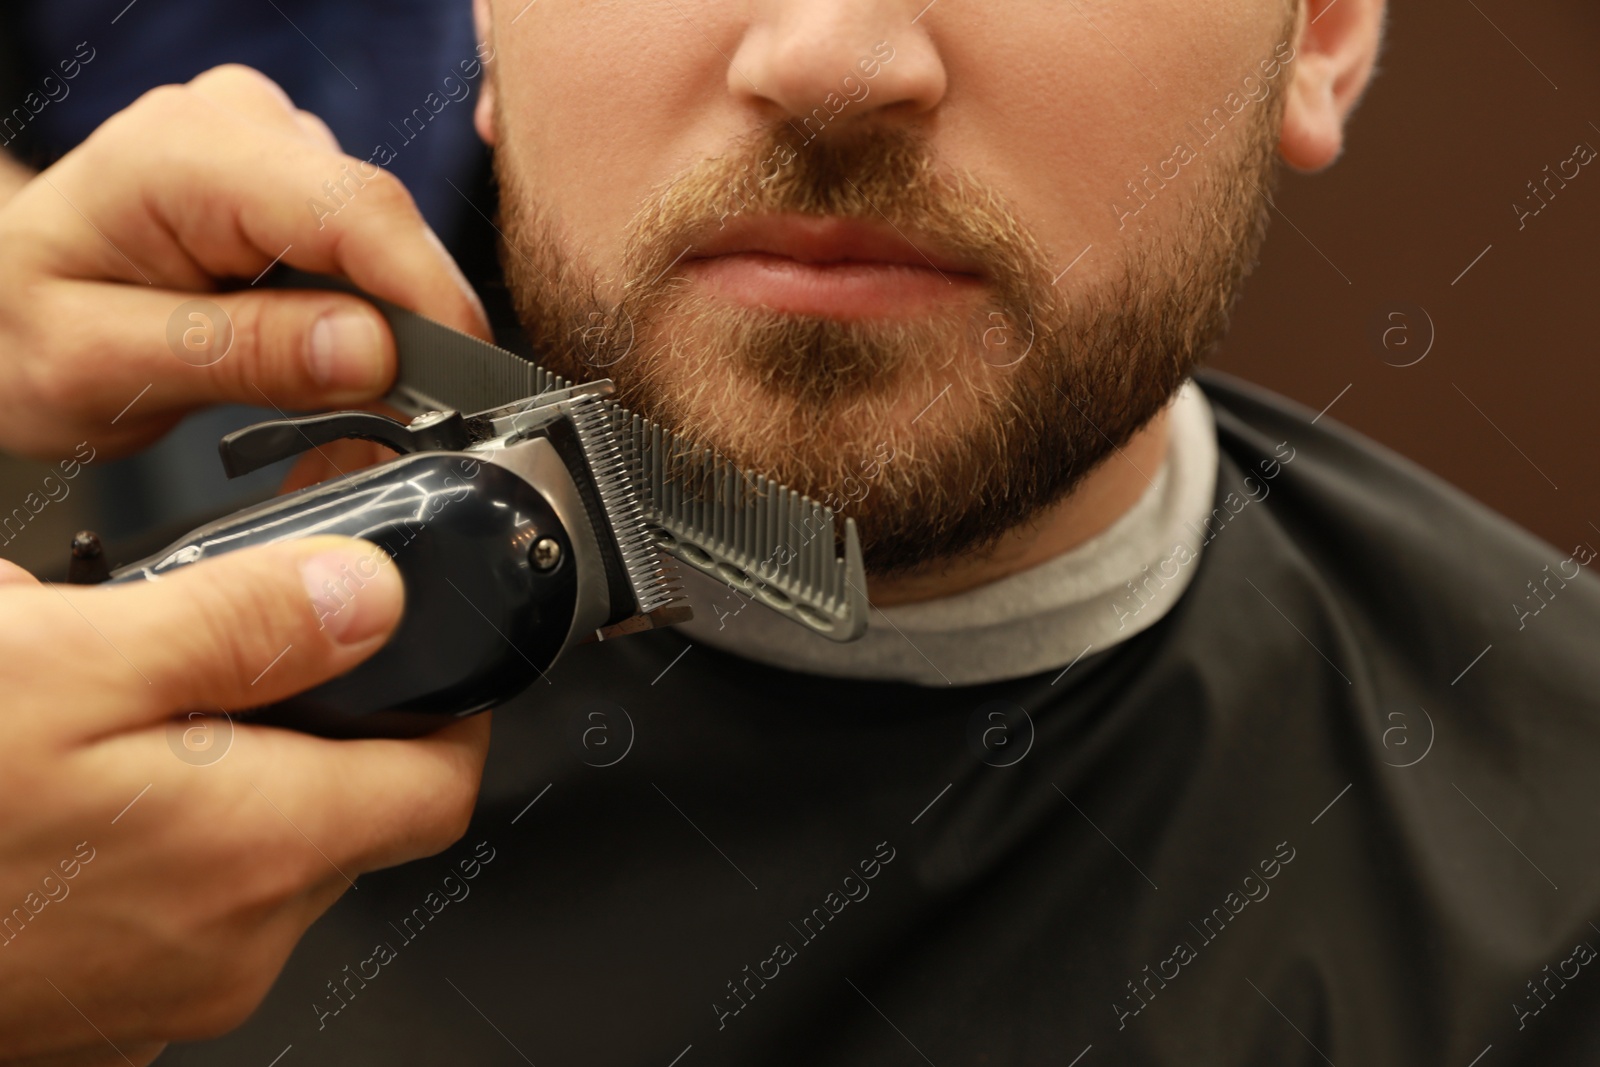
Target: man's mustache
{"x": 883, "y": 175}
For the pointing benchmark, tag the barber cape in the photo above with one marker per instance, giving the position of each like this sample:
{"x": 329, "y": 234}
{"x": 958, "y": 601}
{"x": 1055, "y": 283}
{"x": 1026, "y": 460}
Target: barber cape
{"x": 1337, "y": 806}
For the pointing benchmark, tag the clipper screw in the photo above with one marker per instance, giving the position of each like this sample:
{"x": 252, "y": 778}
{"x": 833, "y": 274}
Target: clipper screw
{"x": 545, "y": 553}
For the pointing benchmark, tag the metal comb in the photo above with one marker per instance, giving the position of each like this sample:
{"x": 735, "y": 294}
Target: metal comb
{"x": 753, "y": 534}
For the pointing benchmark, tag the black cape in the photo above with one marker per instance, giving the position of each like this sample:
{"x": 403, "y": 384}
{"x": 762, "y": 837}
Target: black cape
{"x": 1339, "y": 806}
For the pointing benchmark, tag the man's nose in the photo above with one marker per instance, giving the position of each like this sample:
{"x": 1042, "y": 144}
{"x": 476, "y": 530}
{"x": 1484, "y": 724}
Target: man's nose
{"x": 850, "y": 58}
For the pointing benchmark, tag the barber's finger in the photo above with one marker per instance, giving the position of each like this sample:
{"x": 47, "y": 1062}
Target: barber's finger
{"x": 175, "y": 351}
{"x": 242, "y": 630}
{"x": 11, "y": 574}
{"x": 246, "y": 197}
{"x": 378, "y": 802}
{"x": 322, "y": 212}
{"x": 298, "y": 349}
{"x": 257, "y": 97}
{"x": 317, "y": 130}
{"x": 249, "y": 93}
{"x": 348, "y": 806}
{"x": 422, "y": 803}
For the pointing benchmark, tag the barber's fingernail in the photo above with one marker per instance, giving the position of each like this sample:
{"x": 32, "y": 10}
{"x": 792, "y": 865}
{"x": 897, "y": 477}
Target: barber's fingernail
{"x": 356, "y": 594}
{"x": 346, "y": 351}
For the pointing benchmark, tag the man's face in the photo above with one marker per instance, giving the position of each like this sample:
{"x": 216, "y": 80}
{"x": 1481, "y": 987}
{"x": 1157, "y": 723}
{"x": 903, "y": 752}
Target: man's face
{"x": 931, "y": 264}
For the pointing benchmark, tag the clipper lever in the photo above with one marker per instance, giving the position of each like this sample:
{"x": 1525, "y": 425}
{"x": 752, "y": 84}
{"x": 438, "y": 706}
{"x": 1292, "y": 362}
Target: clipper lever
{"x": 256, "y": 446}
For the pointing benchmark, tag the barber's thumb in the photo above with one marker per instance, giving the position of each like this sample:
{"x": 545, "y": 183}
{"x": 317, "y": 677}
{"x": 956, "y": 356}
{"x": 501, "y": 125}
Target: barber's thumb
{"x": 259, "y": 625}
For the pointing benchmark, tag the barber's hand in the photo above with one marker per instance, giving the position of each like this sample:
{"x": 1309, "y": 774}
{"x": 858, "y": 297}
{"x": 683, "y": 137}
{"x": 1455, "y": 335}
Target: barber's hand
{"x": 150, "y": 891}
{"x": 192, "y": 184}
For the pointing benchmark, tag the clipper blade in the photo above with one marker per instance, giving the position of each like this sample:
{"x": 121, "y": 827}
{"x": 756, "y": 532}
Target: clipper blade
{"x": 614, "y": 465}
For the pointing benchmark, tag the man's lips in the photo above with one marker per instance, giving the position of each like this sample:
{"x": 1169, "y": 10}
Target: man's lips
{"x": 829, "y": 267}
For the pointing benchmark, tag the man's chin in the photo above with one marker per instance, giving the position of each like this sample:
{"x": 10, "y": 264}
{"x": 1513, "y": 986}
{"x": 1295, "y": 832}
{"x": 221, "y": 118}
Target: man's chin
{"x": 894, "y": 452}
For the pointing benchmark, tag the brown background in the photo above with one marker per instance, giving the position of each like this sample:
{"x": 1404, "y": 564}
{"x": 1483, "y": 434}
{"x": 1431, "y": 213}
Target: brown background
{"x": 1457, "y": 122}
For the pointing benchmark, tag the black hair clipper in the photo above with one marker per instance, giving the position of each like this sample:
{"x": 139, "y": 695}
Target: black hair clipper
{"x": 538, "y": 523}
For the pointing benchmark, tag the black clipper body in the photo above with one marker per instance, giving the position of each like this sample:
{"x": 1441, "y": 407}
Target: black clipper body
{"x": 518, "y": 531}
{"x": 516, "y": 545}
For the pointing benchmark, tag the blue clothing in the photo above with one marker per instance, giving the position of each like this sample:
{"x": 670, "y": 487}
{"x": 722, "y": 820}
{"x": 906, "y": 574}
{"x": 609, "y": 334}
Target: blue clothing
{"x": 365, "y": 67}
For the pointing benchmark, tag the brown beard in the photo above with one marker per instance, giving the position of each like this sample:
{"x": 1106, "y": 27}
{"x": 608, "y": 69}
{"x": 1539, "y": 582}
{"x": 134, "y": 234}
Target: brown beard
{"x": 937, "y": 435}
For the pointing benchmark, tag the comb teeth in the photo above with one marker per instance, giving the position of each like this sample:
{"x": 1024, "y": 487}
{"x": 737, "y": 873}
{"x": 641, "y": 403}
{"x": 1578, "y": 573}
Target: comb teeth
{"x": 609, "y": 456}
{"x": 442, "y": 369}
{"x": 762, "y": 538}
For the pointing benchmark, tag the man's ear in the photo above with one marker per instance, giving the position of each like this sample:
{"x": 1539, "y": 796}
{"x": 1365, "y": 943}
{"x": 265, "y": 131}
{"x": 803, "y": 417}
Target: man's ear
{"x": 483, "y": 112}
{"x": 1336, "y": 47}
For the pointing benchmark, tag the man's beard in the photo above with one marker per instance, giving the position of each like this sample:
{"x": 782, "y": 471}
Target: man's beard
{"x": 939, "y": 434}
